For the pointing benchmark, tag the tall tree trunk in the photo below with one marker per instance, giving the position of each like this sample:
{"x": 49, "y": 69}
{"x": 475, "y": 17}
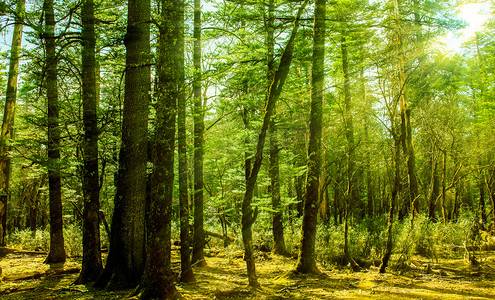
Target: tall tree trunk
{"x": 405, "y": 113}
{"x": 199, "y": 241}
{"x": 369, "y": 177}
{"x": 186, "y": 274}
{"x": 9, "y": 118}
{"x": 277, "y": 221}
{"x": 57, "y": 251}
{"x": 307, "y": 261}
{"x": 126, "y": 258}
{"x": 248, "y": 215}
{"x": 351, "y": 197}
{"x": 91, "y": 263}
{"x": 274, "y": 170}
{"x": 158, "y": 279}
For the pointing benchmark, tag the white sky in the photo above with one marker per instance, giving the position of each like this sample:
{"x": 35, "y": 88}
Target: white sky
{"x": 476, "y": 13}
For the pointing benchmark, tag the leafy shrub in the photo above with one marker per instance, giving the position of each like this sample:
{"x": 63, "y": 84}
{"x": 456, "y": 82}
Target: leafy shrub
{"x": 73, "y": 240}
{"x": 365, "y": 241}
{"x": 38, "y": 240}
{"x": 431, "y": 239}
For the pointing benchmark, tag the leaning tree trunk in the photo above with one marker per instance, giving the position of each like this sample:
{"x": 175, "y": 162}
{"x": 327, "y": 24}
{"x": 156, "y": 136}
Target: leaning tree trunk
{"x": 126, "y": 258}
{"x": 248, "y": 214}
{"x": 307, "y": 261}
{"x": 91, "y": 262}
{"x": 199, "y": 233}
{"x": 9, "y": 118}
{"x": 57, "y": 251}
{"x": 186, "y": 274}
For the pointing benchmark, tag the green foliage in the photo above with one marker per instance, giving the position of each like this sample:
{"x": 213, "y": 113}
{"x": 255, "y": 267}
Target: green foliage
{"x": 38, "y": 240}
{"x": 432, "y": 240}
{"x": 73, "y": 240}
{"x": 366, "y": 241}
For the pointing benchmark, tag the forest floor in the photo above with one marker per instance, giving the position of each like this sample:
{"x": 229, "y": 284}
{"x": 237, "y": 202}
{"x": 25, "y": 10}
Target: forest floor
{"x": 26, "y": 277}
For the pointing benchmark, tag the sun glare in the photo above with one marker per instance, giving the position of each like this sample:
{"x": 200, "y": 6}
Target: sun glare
{"x": 475, "y": 13}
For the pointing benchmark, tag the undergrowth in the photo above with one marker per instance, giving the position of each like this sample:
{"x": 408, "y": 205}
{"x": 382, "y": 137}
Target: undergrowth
{"x": 39, "y": 240}
{"x": 366, "y": 239}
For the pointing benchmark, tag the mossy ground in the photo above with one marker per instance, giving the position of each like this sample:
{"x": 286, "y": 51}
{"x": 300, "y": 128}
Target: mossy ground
{"x": 225, "y": 278}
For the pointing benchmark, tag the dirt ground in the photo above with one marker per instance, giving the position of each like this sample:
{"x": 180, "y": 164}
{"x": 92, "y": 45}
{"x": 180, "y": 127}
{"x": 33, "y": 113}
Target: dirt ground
{"x": 26, "y": 277}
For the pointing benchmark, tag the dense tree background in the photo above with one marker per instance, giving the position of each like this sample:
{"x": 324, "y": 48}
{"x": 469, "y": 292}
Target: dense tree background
{"x": 406, "y": 162}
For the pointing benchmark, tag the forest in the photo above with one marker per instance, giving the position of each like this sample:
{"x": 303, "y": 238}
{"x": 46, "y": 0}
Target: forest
{"x": 246, "y": 149}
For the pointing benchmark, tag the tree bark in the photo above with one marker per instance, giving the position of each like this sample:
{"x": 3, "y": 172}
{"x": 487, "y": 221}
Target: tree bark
{"x": 393, "y": 200}
{"x": 158, "y": 279}
{"x": 92, "y": 264}
{"x": 248, "y": 214}
{"x": 274, "y": 170}
{"x": 57, "y": 251}
{"x": 405, "y": 113}
{"x": 186, "y": 274}
{"x": 9, "y": 118}
{"x": 369, "y": 177}
{"x": 126, "y": 258}
{"x": 199, "y": 234}
{"x": 307, "y": 261}
{"x": 351, "y": 196}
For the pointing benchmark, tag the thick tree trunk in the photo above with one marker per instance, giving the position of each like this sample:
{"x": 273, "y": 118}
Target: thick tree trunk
{"x": 307, "y": 261}
{"x": 199, "y": 242}
{"x": 57, "y": 251}
{"x": 158, "y": 279}
{"x": 9, "y": 118}
{"x": 91, "y": 264}
{"x": 125, "y": 262}
{"x": 186, "y": 274}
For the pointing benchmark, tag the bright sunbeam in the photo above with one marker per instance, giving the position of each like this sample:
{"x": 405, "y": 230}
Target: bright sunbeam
{"x": 475, "y": 14}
